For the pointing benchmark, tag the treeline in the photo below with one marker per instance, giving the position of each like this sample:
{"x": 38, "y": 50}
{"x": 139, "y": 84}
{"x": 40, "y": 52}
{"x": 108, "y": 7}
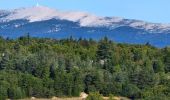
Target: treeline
{"x": 48, "y": 67}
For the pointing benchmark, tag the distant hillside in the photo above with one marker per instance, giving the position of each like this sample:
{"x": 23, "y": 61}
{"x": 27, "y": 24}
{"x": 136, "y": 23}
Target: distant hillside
{"x": 45, "y": 22}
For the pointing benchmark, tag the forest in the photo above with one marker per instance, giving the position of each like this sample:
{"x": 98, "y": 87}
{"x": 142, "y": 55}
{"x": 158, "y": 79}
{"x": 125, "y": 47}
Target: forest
{"x": 43, "y": 68}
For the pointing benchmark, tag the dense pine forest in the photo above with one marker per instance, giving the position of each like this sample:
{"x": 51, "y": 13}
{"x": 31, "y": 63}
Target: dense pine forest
{"x": 64, "y": 68}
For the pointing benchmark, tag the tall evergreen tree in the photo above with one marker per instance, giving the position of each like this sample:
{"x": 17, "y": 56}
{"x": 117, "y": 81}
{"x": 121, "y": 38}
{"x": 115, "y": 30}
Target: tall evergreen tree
{"x": 103, "y": 53}
{"x": 167, "y": 62}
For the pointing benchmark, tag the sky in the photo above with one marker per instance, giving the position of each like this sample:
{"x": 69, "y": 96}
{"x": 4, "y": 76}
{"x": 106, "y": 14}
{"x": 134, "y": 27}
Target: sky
{"x": 157, "y": 11}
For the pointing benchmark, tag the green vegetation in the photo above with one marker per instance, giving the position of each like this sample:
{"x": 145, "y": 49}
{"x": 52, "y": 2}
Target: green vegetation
{"x": 94, "y": 96}
{"x": 48, "y": 67}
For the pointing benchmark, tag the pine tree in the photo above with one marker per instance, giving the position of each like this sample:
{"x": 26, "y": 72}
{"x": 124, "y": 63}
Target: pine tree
{"x": 4, "y": 63}
{"x": 158, "y": 66}
{"x": 103, "y": 53}
{"x": 167, "y": 62}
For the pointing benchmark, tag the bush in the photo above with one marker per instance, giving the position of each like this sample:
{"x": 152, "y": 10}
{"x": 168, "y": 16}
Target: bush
{"x": 94, "y": 96}
{"x": 131, "y": 91}
{"x": 16, "y": 93}
{"x": 111, "y": 97}
{"x": 3, "y": 93}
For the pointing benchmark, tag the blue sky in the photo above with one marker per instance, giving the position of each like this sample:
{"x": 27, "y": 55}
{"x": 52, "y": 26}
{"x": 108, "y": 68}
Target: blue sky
{"x": 148, "y": 10}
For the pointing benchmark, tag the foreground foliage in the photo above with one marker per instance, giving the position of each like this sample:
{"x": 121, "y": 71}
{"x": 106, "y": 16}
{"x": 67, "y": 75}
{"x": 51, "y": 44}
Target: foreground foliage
{"x": 94, "y": 96}
{"x": 46, "y": 67}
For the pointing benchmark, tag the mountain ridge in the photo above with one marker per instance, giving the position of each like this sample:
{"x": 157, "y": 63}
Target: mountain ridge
{"x": 45, "y": 22}
{"x": 41, "y": 13}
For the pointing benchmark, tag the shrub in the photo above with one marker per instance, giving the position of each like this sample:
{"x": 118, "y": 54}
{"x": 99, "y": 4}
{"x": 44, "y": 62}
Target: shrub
{"x": 94, "y": 96}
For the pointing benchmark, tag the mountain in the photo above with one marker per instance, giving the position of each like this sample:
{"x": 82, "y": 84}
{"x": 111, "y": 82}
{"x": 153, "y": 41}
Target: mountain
{"x": 42, "y": 21}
